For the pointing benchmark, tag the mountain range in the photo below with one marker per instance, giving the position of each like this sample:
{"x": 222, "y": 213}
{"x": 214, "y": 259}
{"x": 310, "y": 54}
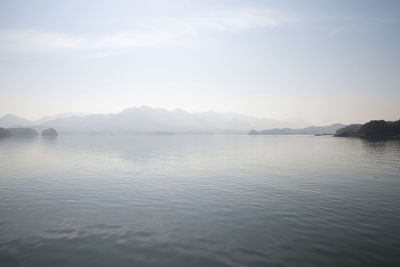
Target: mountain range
{"x": 152, "y": 120}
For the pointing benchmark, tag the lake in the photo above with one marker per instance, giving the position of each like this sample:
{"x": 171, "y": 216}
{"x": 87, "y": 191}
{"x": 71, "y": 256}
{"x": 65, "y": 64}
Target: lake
{"x": 199, "y": 201}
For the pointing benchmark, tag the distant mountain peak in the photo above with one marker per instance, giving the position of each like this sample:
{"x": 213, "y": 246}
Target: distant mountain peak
{"x": 9, "y": 115}
{"x": 11, "y": 120}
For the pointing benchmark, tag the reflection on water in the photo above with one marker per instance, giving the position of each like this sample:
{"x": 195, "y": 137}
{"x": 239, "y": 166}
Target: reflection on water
{"x": 199, "y": 201}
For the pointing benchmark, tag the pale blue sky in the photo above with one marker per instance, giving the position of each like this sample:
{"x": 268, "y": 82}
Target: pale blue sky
{"x": 324, "y": 61}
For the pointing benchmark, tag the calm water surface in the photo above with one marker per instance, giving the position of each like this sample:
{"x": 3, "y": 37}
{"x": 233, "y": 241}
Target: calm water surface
{"x": 199, "y": 201}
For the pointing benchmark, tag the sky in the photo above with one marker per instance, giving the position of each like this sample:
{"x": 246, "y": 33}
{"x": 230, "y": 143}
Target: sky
{"x": 323, "y": 61}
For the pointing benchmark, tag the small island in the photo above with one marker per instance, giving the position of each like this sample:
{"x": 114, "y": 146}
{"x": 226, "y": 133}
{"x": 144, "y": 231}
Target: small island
{"x": 372, "y": 130}
{"x": 49, "y": 132}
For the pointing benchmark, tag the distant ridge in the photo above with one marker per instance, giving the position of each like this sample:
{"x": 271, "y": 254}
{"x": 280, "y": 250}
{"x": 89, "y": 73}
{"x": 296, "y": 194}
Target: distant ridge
{"x": 312, "y": 130}
{"x": 11, "y": 120}
{"x": 58, "y": 116}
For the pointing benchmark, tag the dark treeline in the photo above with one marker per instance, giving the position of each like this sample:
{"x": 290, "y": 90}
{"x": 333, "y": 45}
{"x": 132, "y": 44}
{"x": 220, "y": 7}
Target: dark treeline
{"x": 375, "y": 129}
{"x": 24, "y": 131}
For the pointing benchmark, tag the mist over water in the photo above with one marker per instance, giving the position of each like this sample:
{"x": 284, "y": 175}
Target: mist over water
{"x": 199, "y": 201}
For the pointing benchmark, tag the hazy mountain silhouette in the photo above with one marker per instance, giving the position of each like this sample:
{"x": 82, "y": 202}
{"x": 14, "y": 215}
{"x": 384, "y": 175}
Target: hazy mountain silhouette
{"x": 151, "y": 120}
{"x": 234, "y": 121}
{"x": 58, "y": 116}
{"x": 11, "y": 120}
{"x": 330, "y": 129}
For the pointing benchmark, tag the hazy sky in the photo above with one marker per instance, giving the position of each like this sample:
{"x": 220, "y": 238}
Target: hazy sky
{"x": 324, "y": 61}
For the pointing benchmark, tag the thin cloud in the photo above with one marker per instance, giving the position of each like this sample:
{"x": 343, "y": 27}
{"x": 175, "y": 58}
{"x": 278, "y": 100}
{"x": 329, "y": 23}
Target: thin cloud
{"x": 161, "y": 32}
{"x": 244, "y": 19}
